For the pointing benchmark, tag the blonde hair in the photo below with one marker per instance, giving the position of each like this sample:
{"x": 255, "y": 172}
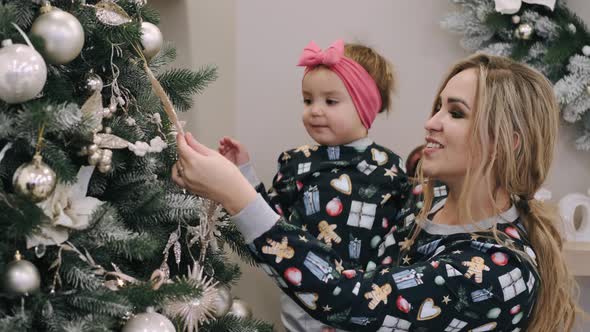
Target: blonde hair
{"x": 378, "y": 67}
{"x": 514, "y": 130}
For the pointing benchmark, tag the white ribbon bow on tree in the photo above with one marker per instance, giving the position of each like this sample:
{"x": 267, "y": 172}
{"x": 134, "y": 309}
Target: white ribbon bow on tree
{"x": 67, "y": 208}
{"x": 513, "y": 6}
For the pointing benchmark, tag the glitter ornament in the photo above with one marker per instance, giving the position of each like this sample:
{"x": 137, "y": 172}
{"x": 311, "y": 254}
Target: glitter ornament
{"x": 109, "y": 13}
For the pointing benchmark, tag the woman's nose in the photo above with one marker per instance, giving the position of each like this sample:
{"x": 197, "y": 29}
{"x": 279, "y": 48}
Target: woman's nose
{"x": 433, "y": 123}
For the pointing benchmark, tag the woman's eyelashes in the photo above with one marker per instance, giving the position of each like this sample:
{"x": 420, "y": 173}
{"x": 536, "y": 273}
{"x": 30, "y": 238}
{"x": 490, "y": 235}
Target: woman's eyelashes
{"x": 454, "y": 111}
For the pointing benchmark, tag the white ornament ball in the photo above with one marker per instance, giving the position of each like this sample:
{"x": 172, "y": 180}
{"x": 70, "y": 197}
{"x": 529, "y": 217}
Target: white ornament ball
{"x": 586, "y": 50}
{"x": 515, "y": 19}
{"x": 22, "y": 72}
{"x": 240, "y": 309}
{"x": 34, "y": 180}
{"x": 151, "y": 39}
{"x": 21, "y": 277}
{"x": 223, "y": 302}
{"x": 149, "y": 321}
{"x": 62, "y": 34}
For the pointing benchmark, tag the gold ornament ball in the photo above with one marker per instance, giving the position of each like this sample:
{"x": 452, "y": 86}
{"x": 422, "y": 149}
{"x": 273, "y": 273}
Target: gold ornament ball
{"x": 34, "y": 180}
{"x": 524, "y": 31}
{"x": 240, "y": 309}
{"x": 21, "y": 277}
{"x": 223, "y": 302}
{"x": 151, "y": 40}
{"x": 149, "y": 321}
{"x": 62, "y": 34}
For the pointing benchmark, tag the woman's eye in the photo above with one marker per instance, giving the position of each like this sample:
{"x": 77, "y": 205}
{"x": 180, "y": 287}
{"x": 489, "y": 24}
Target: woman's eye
{"x": 306, "y": 101}
{"x": 331, "y": 102}
{"x": 456, "y": 114}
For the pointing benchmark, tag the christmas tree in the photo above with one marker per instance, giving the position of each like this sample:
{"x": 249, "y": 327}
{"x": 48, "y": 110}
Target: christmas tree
{"x": 95, "y": 236}
{"x": 542, "y": 33}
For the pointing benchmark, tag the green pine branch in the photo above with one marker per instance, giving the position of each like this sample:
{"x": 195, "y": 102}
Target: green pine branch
{"x": 181, "y": 84}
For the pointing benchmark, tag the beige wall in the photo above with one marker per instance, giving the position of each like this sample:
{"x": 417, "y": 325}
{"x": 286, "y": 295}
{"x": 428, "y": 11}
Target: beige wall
{"x": 256, "y": 44}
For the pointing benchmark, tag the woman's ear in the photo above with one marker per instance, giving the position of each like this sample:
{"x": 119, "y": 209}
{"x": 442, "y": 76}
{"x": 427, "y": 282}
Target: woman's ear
{"x": 517, "y": 142}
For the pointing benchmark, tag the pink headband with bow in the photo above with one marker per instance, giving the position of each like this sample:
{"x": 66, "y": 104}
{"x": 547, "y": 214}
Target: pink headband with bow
{"x": 360, "y": 85}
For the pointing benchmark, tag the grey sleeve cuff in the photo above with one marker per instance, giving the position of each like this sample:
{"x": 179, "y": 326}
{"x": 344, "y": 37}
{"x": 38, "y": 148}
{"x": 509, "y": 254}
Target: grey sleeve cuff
{"x": 255, "y": 219}
{"x": 249, "y": 173}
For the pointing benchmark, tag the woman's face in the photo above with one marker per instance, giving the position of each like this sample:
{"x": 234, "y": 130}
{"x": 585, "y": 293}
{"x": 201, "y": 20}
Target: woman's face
{"x": 445, "y": 156}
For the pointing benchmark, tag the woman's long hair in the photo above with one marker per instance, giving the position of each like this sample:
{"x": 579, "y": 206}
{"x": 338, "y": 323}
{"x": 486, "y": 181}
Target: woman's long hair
{"x": 513, "y": 137}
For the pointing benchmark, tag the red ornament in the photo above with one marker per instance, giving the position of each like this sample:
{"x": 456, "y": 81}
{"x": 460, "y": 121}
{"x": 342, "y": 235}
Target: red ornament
{"x": 349, "y": 274}
{"x": 384, "y": 223}
{"x": 293, "y": 275}
{"x": 500, "y": 258}
{"x": 299, "y": 184}
{"x": 512, "y": 232}
{"x": 279, "y": 210}
{"x": 387, "y": 260}
{"x": 334, "y": 207}
{"x": 403, "y": 305}
{"x": 434, "y": 264}
{"x": 515, "y": 309}
{"x": 417, "y": 190}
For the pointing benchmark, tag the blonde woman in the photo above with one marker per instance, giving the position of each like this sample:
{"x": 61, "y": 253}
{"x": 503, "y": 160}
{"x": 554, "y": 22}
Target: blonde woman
{"x": 486, "y": 257}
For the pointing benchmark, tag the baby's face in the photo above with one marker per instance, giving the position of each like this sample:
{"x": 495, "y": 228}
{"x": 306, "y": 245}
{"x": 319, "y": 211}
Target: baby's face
{"x": 329, "y": 115}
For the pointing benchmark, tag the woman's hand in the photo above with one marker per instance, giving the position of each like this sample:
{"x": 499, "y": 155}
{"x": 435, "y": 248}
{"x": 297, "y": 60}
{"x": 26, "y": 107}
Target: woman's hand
{"x": 233, "y": 151}
{"x": 207, "y": 173}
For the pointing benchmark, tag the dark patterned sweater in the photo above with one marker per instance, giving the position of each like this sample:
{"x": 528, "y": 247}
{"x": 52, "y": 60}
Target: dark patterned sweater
{"x": 453, "y": 278}
{"x": 344, "y": 196}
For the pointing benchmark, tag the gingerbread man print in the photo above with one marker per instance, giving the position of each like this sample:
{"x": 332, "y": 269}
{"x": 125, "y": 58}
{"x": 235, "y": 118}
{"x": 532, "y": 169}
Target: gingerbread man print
{"x": 476, "y": 267}
{"x": 327, "y": 233}
{"x": 281, "y": 250}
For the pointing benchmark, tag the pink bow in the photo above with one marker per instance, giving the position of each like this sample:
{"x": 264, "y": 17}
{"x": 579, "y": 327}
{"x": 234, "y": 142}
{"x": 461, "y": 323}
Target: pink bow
{"x": 313, "y": 55}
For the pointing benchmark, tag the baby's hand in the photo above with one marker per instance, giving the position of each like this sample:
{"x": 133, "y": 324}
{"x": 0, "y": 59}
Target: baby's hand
{"x": 233, "y": 151}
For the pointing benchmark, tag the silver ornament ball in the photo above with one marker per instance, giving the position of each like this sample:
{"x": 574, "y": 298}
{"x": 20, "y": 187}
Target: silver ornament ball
{"x": 223, "y": 302}
{"x": 240, "y": 309}
{"x": 524, "y": 31}
{"x": 21, "y": 277}
{"x": 22, "y": 72}
{"x": 149, "y": 321}
{"x": 586, "y": 50}
{"x": 62, "y": 34}
{"x": 151, "y": 39}
{"x": 34, "y": 180}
